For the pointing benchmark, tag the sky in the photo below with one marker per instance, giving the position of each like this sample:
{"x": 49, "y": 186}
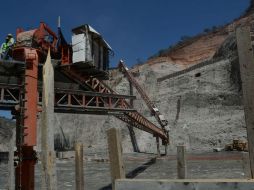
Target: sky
{"x": 135, "y": 29}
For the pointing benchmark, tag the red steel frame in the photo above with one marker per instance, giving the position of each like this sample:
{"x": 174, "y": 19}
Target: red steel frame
{"x": 26, "y": 120}
{"x": 26, "y": 115}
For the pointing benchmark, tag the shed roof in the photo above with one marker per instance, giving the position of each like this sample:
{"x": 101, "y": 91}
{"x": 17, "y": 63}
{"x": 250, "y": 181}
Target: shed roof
{"x": 84, "y": 28}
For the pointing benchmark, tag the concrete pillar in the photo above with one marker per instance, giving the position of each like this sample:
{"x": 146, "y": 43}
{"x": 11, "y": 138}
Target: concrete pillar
{"x": 246, "y": 59}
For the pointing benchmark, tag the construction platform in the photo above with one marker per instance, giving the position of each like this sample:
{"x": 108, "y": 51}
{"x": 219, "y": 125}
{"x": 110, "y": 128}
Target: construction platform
{"x": 69, "y": 95}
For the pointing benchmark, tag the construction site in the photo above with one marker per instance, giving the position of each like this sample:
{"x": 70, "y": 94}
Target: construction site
{"x": 183, "y": 119}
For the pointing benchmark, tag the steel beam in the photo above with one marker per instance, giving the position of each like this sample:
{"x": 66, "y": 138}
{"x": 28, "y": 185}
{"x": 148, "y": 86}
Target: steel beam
{"x": 91, "y": 110}
{"x": 70, "y": 101}
{"x": 91, "y": 93}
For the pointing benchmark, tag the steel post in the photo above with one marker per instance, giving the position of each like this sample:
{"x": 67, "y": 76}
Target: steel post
{"x": 26, "y": 123}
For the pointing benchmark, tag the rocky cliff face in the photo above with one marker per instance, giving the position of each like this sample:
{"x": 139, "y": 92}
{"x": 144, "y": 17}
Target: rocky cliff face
{"x": 203, "y": 105}
{"x": 194, "y": 50}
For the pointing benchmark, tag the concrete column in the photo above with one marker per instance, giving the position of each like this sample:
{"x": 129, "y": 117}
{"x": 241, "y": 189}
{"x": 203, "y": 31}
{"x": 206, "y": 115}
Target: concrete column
{"x": 184, "y": 184}
{"x": 246, "y": 59}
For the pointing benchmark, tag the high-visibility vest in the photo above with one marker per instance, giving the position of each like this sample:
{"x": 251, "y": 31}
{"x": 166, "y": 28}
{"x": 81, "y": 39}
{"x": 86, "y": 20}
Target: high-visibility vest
{"x": 4, "y": 47}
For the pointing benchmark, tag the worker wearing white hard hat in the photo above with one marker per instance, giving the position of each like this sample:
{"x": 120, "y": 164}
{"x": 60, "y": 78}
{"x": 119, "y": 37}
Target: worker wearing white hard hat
{"x": 6, "y": 46}
{"x": 11, "y": 40}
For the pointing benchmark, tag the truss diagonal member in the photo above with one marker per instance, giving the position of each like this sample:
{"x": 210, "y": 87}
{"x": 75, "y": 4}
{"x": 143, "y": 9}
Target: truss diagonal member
{"x": 154, "y": 110}
{"x": 59, "y": 101}
{"x": 133, "y": 118}
{"x": 74, "y": 97}
{"x": 14, "y": 98}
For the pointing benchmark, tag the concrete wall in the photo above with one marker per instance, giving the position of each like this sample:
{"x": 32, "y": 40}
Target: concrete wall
{"x": 198, "y": 184}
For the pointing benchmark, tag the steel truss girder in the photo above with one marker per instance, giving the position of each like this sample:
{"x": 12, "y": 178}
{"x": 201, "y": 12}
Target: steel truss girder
{"x": 9, "y": 94}
{"x": 133, "y": 118}
{"x": 67, "y": 101}
{"x": 71, "y": 101}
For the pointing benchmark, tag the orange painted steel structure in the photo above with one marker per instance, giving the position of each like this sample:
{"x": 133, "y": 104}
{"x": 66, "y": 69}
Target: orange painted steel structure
{"x": 100, "y": 99}
{"x": 26, "y": 120}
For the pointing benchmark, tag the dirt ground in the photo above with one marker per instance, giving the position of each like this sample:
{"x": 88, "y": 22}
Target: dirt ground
{"x": 142, "y": 166}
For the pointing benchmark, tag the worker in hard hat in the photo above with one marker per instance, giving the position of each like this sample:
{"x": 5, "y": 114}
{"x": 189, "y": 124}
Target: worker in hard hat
{"x": 11, "y": 40}
{"x": 5, "y": 47}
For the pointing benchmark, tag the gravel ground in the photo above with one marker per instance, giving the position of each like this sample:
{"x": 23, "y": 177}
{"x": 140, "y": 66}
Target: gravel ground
{"x": 141, "y": 166}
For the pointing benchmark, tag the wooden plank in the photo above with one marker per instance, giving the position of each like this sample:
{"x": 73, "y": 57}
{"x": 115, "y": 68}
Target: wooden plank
{"x": 49, "y": 181}
{"x": 79, "y": 165}
{"x": 115, "y": 155}
{"x": 246, "y": 59}
{"x": 181, "y": 162}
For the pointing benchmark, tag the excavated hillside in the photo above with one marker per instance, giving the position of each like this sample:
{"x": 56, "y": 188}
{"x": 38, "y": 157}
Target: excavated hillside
{"x": 202, "y": 47}
{"x": 203, "y": 104}
{"x": 198, "y": 91}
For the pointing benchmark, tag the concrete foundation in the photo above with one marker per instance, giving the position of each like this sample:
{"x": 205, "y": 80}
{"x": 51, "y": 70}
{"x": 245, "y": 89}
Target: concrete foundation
{"x": 186, "y": 184}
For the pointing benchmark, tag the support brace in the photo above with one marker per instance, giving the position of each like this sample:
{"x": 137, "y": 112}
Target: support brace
{"x": 26, "y": 124}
